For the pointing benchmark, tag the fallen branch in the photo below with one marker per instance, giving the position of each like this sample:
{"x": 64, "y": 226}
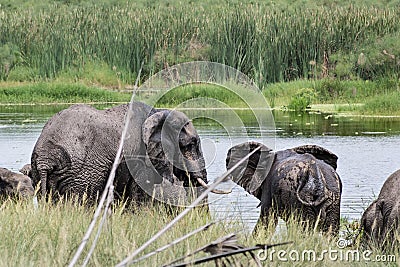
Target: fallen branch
{"x": 226, "y": 255}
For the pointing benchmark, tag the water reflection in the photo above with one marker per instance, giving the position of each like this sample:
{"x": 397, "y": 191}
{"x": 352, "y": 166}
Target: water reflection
{"x": 293, "y": 124}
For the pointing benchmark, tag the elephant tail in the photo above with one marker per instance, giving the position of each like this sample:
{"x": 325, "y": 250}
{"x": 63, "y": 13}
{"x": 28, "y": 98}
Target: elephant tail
{"x": 43, "y": 181}
{"x": 312, "y": 188}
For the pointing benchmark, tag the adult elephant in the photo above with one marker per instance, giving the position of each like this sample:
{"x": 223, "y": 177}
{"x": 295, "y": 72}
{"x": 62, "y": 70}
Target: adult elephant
{"x": 381, "y": 219}
{"x": 300, "y": 180}
{"x": 76, "y": 149}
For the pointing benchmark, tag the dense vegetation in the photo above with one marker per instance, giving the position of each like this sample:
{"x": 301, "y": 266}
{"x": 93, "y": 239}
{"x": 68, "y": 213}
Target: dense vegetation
{"x": 270, "y": 43}
{"x": 328, "y": 51}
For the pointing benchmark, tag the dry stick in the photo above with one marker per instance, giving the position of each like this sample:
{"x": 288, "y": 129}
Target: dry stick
{"x": 228, "y": 254}
{"x": 200, "y": 249}
{"x": 180, "y": 239}
{"x": 197, "y": 201}
{"x": 110, "y": 181}
{"x": 176, "y": 241}
{"x": 103, "y": 220}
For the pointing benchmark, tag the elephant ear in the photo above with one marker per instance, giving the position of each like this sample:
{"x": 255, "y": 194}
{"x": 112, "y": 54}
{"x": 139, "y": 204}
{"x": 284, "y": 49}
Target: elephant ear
{"x": 151, "y": 136}
{"x": 319, "y": 152}
{"x": 153, "y": 124}
{"x": 252, "y": 172}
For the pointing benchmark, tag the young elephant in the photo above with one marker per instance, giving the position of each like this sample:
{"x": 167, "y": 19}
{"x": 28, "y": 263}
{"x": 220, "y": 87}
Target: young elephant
{"x": 14, "y": 184}
{"x": 380, "y": 220}
{"x": 301, "y": 180}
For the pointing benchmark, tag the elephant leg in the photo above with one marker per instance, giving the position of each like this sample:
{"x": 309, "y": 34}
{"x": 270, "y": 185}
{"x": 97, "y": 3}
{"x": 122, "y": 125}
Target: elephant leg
{"x": 267, "y": 221}
{"x": 331, "y": 222}
{"x": 390, "y": 238}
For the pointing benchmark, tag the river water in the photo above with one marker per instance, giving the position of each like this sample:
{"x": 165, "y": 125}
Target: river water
{"x": 367, "y": 148}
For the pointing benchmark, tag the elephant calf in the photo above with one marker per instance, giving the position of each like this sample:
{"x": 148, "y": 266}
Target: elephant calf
{"x": 301, "y": 180}
{"x": 14, "y": 184}
{"x": 380, "y": 220}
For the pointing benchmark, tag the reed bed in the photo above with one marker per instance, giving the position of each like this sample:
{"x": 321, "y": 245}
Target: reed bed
{"x": 268, "y": 44}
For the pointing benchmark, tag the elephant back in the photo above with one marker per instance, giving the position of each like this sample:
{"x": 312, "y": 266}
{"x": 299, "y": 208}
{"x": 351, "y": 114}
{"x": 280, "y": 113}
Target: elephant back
{"x": 76, "y": 149}
{"x": 318, "y": 152}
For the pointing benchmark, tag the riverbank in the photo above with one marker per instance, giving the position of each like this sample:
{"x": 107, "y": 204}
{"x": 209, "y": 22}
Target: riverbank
{"x": 377, "y": 98}
{"x": 56, "y": 93}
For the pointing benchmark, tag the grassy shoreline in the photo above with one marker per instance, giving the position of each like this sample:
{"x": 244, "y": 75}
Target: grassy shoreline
{"x": 379, "y": 98}
{"x": 55, "y": 92}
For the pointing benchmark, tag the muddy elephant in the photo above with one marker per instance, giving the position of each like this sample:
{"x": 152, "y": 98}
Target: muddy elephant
{"x": 14, "y": 184}
{"x": 380, "y": 220}
{"x": 300, "y": 180}
{"x": 76, "y": 149}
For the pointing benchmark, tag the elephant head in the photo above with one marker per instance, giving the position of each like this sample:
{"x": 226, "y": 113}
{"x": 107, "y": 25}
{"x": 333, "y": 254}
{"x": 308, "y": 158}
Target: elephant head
{"x": 173, "y": 148}
{"x": 299, "y": 180}
{"x": 26, "y": 170}
{"x": 12, "y": 183}
{"x": 252, "y": 172}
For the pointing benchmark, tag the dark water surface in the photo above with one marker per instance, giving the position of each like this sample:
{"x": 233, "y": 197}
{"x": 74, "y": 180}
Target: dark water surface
{"x": 367, "y": 147}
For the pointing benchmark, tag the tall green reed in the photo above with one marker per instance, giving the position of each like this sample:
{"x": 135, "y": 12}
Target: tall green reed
{"x": 269, "y": 44}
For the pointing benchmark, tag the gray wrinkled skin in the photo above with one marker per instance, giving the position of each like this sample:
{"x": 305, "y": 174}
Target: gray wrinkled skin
{"x": 15, "y": 184}
{"x": 76, "y": 149}
{"x": 301, "y": 181}
{"x": 380, "y": 220}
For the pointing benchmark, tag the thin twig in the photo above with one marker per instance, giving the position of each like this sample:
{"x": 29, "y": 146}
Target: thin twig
{"x": 110, "y": 181}
{"x": 228, "y": 254}
{"x": 201, "y": 249}
{"x": 176, "y": 241}
{"x": 103, "y": 220}
{"x": 197, "y": 201}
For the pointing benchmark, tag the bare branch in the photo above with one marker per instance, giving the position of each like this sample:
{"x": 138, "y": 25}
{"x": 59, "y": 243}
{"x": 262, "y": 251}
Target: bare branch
{"x": 197, "y": 201}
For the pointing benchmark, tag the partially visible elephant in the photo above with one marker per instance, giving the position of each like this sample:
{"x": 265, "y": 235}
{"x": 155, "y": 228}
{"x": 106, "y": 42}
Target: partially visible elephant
{"x": 300, "y": 180}
{"x": 26, "y": 170}
{"x": 76, "y": 149}
{"x": 380, "y": 220}
{"x": 15, "y": 184}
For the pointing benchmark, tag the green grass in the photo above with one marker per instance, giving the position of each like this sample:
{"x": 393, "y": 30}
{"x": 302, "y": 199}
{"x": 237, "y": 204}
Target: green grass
{"x": 209, "y": 96}
{"x": 385, "y": 104}
{"x": 359, "y": 97}
{"x": 380, "y": 97}
{"x": 267, "y": 41}
{"x": 49, "y": 236}
{"x": 35, "y": 93}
